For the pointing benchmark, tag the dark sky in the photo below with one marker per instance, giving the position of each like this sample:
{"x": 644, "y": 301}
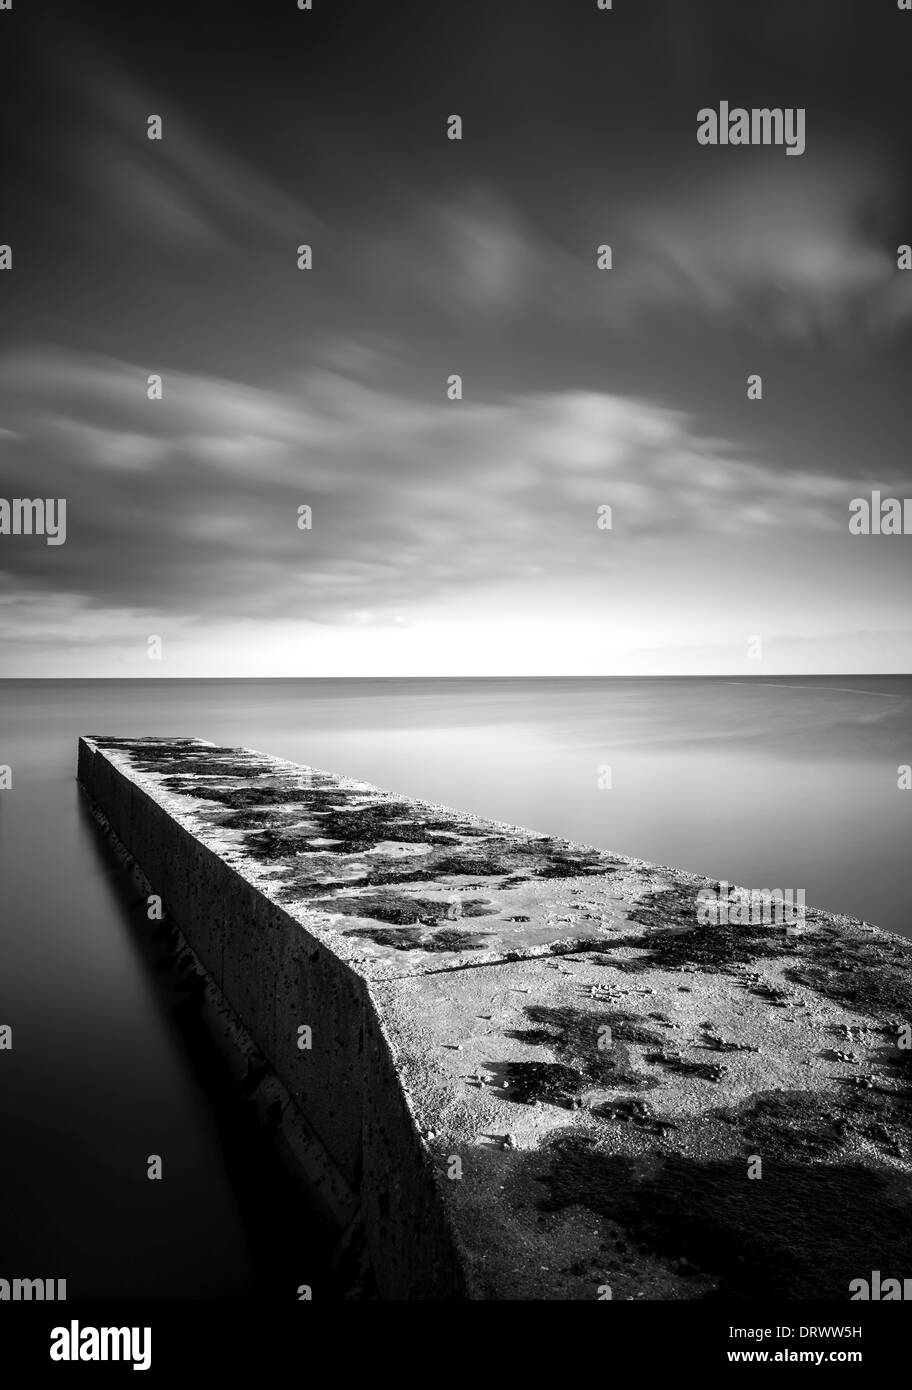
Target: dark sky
{"x": 448, "y": 536}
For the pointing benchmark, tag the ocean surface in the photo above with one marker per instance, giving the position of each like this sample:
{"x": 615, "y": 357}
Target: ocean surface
{"x": 788, "y": 783}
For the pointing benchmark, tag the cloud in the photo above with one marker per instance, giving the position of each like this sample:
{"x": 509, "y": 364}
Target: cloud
{"x": 186, "y": 191}
{"x": 190, "y": 505}
{"x": 470, "y": 253}
{"x": 773, "y": 248}
{"x": 793, "y": 251}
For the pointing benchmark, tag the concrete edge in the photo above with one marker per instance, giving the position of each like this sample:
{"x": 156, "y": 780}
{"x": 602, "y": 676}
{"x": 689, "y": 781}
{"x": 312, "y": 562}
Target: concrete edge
{"x": 410, "y": 1244}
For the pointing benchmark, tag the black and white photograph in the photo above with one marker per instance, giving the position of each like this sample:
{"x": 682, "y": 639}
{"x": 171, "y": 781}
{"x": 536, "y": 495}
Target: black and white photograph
{"x": 455, "y": 671}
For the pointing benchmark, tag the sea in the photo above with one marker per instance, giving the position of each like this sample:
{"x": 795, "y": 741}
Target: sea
{"x": 791, "y": 783}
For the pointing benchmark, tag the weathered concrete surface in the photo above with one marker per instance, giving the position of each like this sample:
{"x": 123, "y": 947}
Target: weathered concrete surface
{"x": 533, "y": 1068}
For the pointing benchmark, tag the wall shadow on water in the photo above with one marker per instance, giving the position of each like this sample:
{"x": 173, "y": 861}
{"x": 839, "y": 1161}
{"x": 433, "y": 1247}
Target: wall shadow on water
{"x": 288, "y": 1240}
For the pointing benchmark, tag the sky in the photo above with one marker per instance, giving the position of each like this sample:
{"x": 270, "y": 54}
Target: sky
{"x": 453, "y": 537}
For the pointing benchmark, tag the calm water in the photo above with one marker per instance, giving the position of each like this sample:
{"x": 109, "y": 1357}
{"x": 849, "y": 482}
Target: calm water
{"x": 789, "y": 784}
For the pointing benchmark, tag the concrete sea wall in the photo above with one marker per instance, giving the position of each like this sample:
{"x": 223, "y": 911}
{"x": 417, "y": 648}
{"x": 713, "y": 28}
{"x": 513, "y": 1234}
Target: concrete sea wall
{"x": 530, "y": 1070}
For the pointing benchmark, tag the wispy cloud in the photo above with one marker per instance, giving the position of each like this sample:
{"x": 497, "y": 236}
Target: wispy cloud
{"x": 186, "y": 191}
{"x": 195, "y": 499}
{"x": 775, "y": 249}
{"x": 794, "y": 252}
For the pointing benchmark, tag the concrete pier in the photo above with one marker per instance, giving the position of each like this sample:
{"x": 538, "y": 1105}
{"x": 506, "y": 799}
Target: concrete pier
{"x": 529, "y": 1070}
